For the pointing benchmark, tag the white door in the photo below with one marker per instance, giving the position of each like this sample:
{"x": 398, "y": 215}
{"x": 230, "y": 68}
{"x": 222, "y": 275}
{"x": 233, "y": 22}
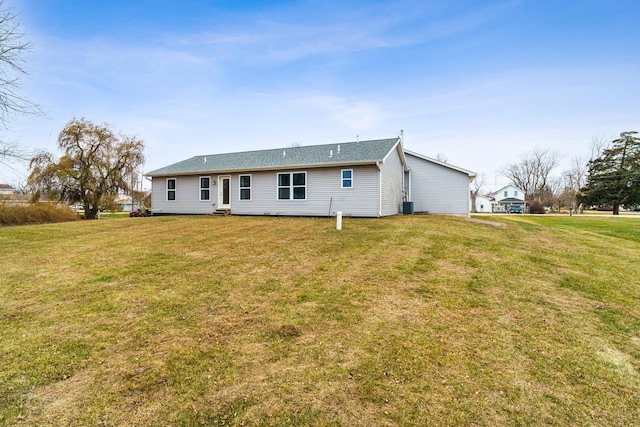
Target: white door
{"x": 224, "y": 192}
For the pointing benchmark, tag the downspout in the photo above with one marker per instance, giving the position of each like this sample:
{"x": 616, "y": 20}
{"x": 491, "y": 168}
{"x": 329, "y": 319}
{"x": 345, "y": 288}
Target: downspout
{"x": 471, "y": 199}
{"x": 378, "y": 165}
{"x": 409, "y": 199}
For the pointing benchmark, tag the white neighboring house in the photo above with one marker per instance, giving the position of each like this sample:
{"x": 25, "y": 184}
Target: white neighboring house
{"x": 6, "y": 189}
{"x": 484, "y": 204}
{"x": 363, "y": 178}
{"x": 508, "y": 196}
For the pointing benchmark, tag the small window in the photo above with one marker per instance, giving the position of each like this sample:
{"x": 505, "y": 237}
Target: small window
{"x": 245, "y": 187}
{"x": 171, "y": 188}
{"x": 347, "y": 178}
{"x": 205, "y": 188}
{"x": 515, "y": 193}
{"x": 292, "y": 186}
{"x": 284, "y": 186}
{"x": 506, "y": 193}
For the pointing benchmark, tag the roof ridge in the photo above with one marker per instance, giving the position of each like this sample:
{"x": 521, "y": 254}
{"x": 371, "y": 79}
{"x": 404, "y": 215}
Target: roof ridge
{"x": 324, "y": 155}
{"x": 294, "y": 148}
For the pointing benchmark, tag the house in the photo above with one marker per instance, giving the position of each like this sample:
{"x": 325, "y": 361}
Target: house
{"x": 124, "y": 203}
{"x": 509, "y": 196}
{"x": 484, "y": 204}
{"x": 362, "y": 178}
{"x": 6, "y": 189}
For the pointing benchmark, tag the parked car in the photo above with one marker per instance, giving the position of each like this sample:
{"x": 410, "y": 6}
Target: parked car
{"x": 138, "y": 212}
{"x": 514, "y": 209}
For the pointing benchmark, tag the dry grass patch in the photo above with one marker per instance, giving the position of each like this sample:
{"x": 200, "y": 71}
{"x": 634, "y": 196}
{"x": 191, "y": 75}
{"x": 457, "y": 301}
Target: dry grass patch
{"x": 34, "y": 213}
{"x": 278, "y": 321}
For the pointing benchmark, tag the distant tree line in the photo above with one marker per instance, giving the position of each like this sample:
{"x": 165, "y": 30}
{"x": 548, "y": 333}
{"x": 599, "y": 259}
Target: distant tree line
{"x": 608, "y": 179}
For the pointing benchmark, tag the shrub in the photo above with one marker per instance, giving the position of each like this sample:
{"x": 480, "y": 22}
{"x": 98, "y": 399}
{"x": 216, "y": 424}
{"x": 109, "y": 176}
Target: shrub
{"x": 34, "y": 213}
{"x": 536, "y": 208}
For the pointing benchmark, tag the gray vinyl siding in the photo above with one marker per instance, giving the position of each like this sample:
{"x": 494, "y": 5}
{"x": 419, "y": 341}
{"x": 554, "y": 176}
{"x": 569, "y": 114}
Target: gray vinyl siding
{"x": 391, "y": 177}
{"x": 187, "y": 196}
{"x": 438, "y": 189}
{"x": 324, "y": 193}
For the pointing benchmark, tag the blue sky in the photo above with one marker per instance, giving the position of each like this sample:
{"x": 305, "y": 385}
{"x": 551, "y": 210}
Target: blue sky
{"x": 481, "y": 82}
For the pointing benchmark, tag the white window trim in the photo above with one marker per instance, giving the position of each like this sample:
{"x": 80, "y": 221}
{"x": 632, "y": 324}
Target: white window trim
{"x": 250, "y": 187}
{"x": 342, "y": 178}
{"x": 291, "y": 186}
{"x": 175, "y": 189}
{"x": 202, "y": 188}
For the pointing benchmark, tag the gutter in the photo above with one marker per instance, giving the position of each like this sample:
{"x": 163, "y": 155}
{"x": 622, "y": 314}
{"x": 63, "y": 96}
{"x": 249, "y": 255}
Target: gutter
{"x": 267, "y": 168}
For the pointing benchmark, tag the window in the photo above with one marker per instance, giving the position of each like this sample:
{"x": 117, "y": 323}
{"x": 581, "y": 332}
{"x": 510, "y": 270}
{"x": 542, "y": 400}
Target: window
{"x": 205, "y": 188}
{"x": 347, "y": 178}
{"x": 292, "y": 186}
{"x": 171, "y": 188}
{"x": 506, "y": 193}
{"x": 245, "y": 187}
{"x": 515, "y": 193}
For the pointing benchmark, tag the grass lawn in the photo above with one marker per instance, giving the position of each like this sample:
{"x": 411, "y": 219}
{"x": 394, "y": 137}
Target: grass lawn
{"x": 417, "y": 320}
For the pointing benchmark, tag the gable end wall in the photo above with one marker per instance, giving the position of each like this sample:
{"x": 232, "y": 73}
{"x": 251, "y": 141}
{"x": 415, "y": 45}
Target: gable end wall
{"x": 391, "y": 180}
{"x": 437, "y": 189}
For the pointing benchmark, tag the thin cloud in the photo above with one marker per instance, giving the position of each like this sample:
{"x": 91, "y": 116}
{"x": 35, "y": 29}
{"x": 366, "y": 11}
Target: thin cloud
{"x": 340, "y": 32}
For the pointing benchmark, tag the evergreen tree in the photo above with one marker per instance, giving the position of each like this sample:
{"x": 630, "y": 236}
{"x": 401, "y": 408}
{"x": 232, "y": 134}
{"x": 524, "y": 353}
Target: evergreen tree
{"x": 614, "y": 177}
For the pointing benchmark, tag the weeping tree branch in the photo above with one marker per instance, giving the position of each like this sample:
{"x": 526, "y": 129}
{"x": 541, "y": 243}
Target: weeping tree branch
{"x": 95, "y": 166}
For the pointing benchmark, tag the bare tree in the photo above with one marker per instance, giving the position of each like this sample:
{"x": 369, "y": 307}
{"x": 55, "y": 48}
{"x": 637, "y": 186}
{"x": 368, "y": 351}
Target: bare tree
{"x": 598, "y": 144}
{"x": 442, "y": 158}
{"x": 12, "y": 48}
{"x": 12, "y": 151}
{"x": 577, "y": 172}
{"x": 476, "y": 186}
{"x": 575, "y": 177}
{"x": 550, "y": 196}
{"x": 532, "y": 174}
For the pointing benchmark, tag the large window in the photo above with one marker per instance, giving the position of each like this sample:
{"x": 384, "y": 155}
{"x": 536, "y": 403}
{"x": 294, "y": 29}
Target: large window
{"x": 292, "y": 186}
{"x": 171, "y": 188}
{"x": 205, "y": 188}
{"x": 347, "y": 178}
{"x": 245, "y": 187}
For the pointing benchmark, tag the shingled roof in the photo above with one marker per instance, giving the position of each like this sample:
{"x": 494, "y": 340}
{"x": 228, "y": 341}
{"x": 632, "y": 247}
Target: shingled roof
{"x": 340, "y": 154}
